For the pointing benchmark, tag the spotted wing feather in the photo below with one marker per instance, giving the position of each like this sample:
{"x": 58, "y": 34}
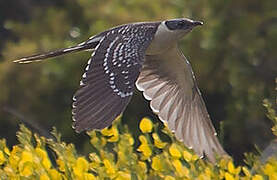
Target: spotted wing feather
{"x": 109, "y": 80}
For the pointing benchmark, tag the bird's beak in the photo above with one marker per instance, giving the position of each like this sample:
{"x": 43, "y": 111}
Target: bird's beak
{"x": 197, "y": 23}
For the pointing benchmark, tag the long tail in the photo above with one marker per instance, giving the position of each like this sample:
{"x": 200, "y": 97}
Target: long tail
{"x": 59, "y": 52}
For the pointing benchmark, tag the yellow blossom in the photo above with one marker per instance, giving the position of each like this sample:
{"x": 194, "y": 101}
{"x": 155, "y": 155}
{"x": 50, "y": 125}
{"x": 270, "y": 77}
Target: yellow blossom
{"x": 169, "y": 178}
{"x": 109, "y": 166}
{"x": 231, "y": 167}
{"x": 44, "y": 157}
{"x": 7, "y": 151}
{"x": 26, "y": 157}
{"x": 25, "y": 169}
{"x": 146, "y": 125}
{"x": 208, "y": 172}
{"x": 130, "y": 138}
{"x": 229, "y": 176}
{"x": 173, "y": 150}
{"x": 121, "y": 175}
{"x": 54, "y": 174}
{"x": 2, "y": 157}
{"x": 143, "y": 167}
{"x": 271, "y": 171}
{"x": 44, "y": 177}
{"x": 181, "y": 170}
{"x": 203, "y": 176}
{"x": 157, "y": 141}
{"x": 257, "y": 177}
{"x": 223, "y": 163}
{"x": 246, "y": 171}
{"x": 81, "y": 166}
{"x": 103, "y": 141}
{"x": 94, "y": 139}
{"x": 187, "y": 156}
{"x": 112, "y": 132}
{"x": 157, "y": 164}
{"x": 89, "y": 176}
{"x": 61, "y": 165}
{"x": 144, "y": 148}
{"x": 95, "y": 160}
{"x": 14, "y": 157}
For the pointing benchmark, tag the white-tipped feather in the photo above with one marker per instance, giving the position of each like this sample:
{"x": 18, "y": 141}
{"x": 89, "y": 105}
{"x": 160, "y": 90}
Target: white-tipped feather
{"x": 177, "y": 101}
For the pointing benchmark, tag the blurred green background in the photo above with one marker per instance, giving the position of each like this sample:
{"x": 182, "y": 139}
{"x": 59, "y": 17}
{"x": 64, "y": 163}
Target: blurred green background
{"x": 234, "y": 57}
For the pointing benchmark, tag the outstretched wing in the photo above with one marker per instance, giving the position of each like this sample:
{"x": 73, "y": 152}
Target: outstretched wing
{"x": 109, "y": 80}
{"x": 168, "y": 81}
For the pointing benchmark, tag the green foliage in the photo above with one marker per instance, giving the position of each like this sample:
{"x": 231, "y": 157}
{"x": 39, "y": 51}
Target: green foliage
{"x": 233, "y": 56}
{"x": 114, "y": 155}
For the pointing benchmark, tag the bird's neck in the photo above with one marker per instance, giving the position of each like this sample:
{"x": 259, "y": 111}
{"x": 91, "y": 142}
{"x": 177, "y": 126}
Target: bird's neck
{"x": 163, "y": 40}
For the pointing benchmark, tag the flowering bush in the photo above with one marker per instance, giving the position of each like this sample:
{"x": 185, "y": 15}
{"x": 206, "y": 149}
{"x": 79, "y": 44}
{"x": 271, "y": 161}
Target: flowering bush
{"x": 115, "y": 156}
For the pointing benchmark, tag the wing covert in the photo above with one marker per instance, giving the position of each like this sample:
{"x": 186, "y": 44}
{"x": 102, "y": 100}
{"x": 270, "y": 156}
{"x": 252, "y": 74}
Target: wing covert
{"x": 109, "y": 80}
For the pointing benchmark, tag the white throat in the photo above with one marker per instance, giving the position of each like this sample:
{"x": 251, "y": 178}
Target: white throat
{"x": 164, "y": 39}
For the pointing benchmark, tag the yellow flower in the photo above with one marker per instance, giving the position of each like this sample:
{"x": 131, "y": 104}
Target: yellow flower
{"x": 14, "y": 157}
{"x": 94, "y": 139}
{"x": 7, "y": 151}
{"x": 204, "y": 176}
{"x": 229, "y": 176}
{"x": 44, "y": 177}
{"x": 109, "y": 166}
{"x": 257, "y": 177}
{"x": 142, "y": 166}
{"x": 25, "y": 164}
{"x": 187, "y": 156}
{"x": 81, "y": 166}
{"x": 61, "y": 164}
{"x": 231, "y": 167}
{"x": 271, "y": 171}
{"x": 130, "y": 138}
{"x": 95, "y": 160}
{"x": 2, "y": 157}
{"x": 144, "y": 148}
{"x": 44, "y": 157}
{"x": 181, "y": 170}
{"x": 89, "y": 176}
{"x": 223, "y": 163}
{"x": 173, "y": 150}
{"x": 54, "y": 174}
{"x": 156, "y": 164}
{"x": 146, "y": 125}
{"x": 26, "y": 157}
{"x": 169, "y": 178}
{"x": 157, "y": 141}
{"x": 123, "y": 175}
{"x": 103, "y": 141}
{"x": 25, "y": 169}
{"x": 246, "y": 171}
{"x": 208, "y": 172}
{"x": 112, "y": 132}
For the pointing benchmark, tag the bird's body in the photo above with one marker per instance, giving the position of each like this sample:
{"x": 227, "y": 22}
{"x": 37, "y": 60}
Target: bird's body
{"x": 144, "y": 55}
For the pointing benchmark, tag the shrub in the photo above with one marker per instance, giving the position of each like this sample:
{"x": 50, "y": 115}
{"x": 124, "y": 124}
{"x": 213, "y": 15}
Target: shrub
{"x": 115, "y": 156}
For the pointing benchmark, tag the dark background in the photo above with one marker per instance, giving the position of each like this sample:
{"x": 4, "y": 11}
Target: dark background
{"x": 233, "y": 56}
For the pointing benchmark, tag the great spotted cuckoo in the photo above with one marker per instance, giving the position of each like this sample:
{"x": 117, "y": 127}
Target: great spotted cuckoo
{"x": 145, "y": 55}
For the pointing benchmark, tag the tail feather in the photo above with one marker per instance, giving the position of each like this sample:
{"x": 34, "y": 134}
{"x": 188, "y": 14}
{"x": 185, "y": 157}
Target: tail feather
{"x": 59, "y": 52}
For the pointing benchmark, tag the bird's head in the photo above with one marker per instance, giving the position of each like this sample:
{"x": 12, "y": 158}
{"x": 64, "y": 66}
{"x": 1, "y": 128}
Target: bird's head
{"x": 170, "y": 32}
{"x": 181, "y": 24}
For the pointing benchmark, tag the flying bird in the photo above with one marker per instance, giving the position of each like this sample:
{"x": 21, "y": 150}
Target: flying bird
{"x": 143, "y": 55}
